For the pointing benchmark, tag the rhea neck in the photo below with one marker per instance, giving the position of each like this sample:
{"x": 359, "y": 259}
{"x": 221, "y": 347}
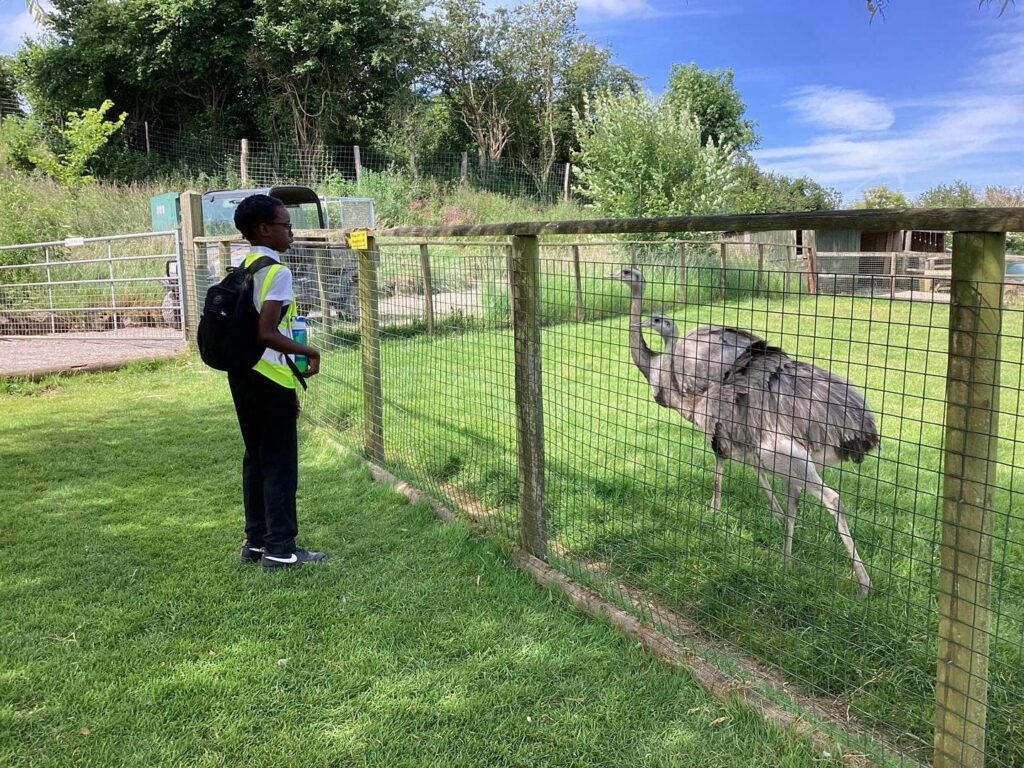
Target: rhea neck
{"x": 638, "y": 348}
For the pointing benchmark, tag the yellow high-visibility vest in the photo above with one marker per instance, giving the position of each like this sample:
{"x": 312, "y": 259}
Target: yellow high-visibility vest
{"x": 268, "y": 365}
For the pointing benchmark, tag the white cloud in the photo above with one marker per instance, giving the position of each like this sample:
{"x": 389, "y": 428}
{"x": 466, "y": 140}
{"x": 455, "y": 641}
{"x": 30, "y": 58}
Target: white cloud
{"x": 14, "y": 29}
{"x": 970, "y": 131}
{"x": 616, "y": 8}
{"x": 1004, "y": 65}
{"x": 841, "y": 109}
{"x": 975, "y": 130}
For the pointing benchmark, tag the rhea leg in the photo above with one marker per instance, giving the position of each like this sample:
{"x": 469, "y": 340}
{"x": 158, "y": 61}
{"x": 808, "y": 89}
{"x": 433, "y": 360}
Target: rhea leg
{"x": 766, "y": 486}
{"x": 716, "y": 499}
{"x": 792, "y": 500}
{"x": 830, "y": 498}
{"x": 788, "y": 460}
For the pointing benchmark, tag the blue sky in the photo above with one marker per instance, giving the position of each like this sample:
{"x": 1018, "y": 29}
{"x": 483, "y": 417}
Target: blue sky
{"x": 931, "y": 93}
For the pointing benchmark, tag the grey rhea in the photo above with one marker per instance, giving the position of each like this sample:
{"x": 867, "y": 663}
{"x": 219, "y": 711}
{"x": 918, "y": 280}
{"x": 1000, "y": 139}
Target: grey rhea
{"x": 758, "y": 406}
{"x": 700, "y": 361}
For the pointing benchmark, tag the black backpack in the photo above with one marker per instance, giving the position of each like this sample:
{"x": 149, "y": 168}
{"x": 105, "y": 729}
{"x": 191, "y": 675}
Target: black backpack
{"x": 228, "y": 335}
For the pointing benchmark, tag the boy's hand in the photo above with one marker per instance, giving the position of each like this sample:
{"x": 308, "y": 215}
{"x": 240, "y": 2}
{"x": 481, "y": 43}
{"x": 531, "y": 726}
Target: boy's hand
{"x": 314, "y": 365}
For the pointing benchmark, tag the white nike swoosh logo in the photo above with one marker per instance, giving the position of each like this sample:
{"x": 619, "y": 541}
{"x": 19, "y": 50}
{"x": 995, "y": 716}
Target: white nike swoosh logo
{"x": 292, "y": 558}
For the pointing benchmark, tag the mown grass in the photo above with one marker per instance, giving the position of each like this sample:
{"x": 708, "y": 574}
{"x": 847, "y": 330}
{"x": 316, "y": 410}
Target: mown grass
{"x": 131, "y": 636}
{"x": 628, "y": 486}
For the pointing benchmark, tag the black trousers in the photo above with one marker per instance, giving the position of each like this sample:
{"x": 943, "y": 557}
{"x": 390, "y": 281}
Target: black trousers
{"x": 268, "y": 417}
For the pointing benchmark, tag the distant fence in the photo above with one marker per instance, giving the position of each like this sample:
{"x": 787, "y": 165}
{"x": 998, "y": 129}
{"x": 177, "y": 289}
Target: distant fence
{"x": 500, "y": 371}
{"x": 262, "y": 163}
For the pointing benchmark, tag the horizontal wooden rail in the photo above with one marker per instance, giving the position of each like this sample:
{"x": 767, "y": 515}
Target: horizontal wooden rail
{"x": 935, "y": 219}
{"x": 384, "y": 233}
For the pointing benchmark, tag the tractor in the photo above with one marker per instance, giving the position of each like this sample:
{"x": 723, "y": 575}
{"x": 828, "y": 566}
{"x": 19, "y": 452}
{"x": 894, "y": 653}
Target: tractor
{"x": 338, "y": 266}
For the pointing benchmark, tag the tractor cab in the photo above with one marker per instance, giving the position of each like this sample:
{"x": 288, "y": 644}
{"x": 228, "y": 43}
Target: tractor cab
{"x": 303, "y": 204}
{"x": 324, "y": 278}
{"x": 333, "y": 272}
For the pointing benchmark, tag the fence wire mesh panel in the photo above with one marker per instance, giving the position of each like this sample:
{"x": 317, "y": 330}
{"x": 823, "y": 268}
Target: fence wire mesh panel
{"x": 96, "y": 289}
{"x": 448, "y": 392}
{"x": 347, "y": 168}
{"x": 752, "y": 459}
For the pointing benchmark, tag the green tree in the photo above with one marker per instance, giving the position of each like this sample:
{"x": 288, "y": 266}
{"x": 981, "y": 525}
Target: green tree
{"x": 760, "y": 192}
{"x": 514, "y": 78}
{"x": 21, "y": 139}
{"x": 959, "y": 194}
{"x": 177, "y": 63}
{"x": 418, "y": 128}
{"x": 82, "y": 136}
{"x": 881, "y": 196}
{"x": 330, "y": 74}
{"x": 9, "y": 101}
{"x": 713, "y": 101}
{"x": 473, "y": 64}
{"x": 640, "y": 157}
{"x": 558, "y": 67}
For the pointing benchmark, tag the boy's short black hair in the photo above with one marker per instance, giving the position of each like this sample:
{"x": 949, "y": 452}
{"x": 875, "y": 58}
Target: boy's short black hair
{"x": 253, "y": 211}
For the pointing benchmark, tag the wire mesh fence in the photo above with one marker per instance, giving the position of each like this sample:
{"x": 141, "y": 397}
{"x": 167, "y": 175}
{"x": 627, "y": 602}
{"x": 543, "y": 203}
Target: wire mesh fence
{"x": 826, "y": 416}
{"x": 344, "y": 167}
{"x": 123, "y": 286}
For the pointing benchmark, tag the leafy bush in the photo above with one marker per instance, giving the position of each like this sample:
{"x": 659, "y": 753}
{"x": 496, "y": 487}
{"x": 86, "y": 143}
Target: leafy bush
{"x": 640, "y": 157}
{"x": 21, "y": 138}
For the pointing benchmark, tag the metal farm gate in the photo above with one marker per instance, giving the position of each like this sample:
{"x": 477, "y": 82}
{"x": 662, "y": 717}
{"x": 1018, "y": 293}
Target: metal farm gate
{"x": 87, "y": 302}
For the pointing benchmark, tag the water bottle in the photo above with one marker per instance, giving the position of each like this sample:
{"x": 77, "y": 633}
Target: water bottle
{"x": 300, "y": 334}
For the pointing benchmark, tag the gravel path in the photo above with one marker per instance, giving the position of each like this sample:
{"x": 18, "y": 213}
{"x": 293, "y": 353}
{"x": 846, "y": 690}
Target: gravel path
{"x": 33, "y": 357}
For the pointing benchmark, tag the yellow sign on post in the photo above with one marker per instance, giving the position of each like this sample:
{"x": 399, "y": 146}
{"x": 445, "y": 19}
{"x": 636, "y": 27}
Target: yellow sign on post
{"x": 357, "y": 240}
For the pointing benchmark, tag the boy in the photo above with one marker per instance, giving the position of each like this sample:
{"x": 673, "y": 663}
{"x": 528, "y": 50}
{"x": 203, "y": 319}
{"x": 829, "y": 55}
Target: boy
{"x": 265, "y": 397}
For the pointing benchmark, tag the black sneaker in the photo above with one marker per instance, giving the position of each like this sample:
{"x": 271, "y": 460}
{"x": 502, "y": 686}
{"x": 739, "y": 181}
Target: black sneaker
{"x": 294, "y": 558}
{"x": 251, "y": 554}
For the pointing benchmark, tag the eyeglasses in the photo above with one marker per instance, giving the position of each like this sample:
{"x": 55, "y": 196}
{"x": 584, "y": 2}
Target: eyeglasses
{"x": 286, "y": 224}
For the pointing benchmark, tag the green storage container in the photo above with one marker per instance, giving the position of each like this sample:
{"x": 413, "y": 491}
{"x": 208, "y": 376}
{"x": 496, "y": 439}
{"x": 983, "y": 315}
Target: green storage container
{"x": 165, "y": 211}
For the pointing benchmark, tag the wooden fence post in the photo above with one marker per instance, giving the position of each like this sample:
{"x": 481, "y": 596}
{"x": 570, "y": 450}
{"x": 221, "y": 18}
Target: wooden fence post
{"x": 721, "y": 274}
{"x": 508, "y": 265}
{"x": 786, "y": 284}
{"x": 428, "y": 290}
{"x": 682, "y": 272}
{"x": 581, "y": 312}
{"x": 145, "y": 125}
{"x": 321, "y": 259}
{"x": 565, "y": 182}
{"x": 464, "y": 169}
{"x": 223, "y": 255}
{"x": 369, "y": 345}
{"x": 760, "y": 268}
{"x": 972, "y": 430}
{"x": 191, "y": 204}
{"x": 892, "y": 275}
{"x": 525, "y": 300}
{"x": 243, "y": 163}
{"x": 359, "y": 166}
{"x": 812, "y": 271}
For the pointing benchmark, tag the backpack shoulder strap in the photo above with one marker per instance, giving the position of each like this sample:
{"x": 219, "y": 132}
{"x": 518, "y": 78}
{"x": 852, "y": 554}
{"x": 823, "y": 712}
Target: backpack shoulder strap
{"x": 260, "y": 263}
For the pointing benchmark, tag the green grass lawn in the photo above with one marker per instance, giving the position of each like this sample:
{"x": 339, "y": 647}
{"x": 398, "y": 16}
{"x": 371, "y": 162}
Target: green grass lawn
{"x": 130, "y": 635}
{"x": 628, "y": 485}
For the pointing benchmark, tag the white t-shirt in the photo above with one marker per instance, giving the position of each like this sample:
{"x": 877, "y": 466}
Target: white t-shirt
{"x": 280, "y": 290}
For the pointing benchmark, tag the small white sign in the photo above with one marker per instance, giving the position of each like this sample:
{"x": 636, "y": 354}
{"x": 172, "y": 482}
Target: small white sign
{"x": 74, "y": 242}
